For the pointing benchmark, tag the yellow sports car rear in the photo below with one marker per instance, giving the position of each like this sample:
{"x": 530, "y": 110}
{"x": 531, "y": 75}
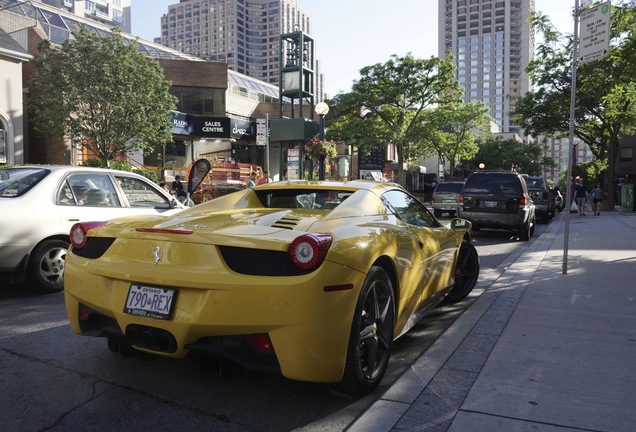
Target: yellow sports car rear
{"x": 313, "y": 280}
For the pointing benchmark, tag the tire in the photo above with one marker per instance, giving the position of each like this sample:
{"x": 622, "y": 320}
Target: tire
{"x": 525, "y": 231}
{"x": 437, "y": 213}
{"x": 466, "y": 273}
{"x": 452, "y": 213}
{"x": 46, "y": 267}
{"x": 371, "y": 335}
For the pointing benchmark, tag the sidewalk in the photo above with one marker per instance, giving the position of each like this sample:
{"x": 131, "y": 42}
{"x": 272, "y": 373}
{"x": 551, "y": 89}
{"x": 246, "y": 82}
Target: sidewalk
{"x": 539, "y": 350}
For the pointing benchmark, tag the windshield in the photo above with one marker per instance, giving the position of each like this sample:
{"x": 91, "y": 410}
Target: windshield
{"x": 15, "y": 182}
{"x": 302, "y": 198}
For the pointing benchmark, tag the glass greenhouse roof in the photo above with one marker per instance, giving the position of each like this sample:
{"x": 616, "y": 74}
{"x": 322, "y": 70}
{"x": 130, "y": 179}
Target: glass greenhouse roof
{"x": 58, "y": 27}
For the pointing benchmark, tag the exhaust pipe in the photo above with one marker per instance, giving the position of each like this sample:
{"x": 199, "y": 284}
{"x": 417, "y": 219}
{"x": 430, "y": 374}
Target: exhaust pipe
{"x": 151, "y": 338}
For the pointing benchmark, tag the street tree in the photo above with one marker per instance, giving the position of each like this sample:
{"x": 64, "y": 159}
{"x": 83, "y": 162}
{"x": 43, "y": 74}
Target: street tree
{"x": 388, "y": 102}
{"x": 511, "y": 155}
{"x": 101, "y": 94}
{"x": 605, "y": 108}
{"x": 452, "y": 130}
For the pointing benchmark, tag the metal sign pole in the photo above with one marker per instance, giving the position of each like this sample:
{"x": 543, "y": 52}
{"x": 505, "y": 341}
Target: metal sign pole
{"x": 575, "y": 64}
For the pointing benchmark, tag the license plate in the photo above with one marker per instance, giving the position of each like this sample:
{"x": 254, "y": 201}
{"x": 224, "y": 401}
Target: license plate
{"x": 490, "y": 204}
{"x": 150, "y": 302}
{"x": 449, "y": 200}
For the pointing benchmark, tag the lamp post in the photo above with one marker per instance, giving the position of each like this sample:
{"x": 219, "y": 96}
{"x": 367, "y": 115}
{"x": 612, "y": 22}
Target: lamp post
{"x": 321, "y": 109}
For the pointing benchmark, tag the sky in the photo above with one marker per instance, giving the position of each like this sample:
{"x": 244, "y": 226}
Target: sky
{"x": 352, "y": 34}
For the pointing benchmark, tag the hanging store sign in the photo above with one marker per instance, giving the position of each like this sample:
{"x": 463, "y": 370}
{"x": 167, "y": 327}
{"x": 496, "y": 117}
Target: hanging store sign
{"x": 242, "y": 130}
{"x": 182, "y": 124}
{"x": 212, "y": 127}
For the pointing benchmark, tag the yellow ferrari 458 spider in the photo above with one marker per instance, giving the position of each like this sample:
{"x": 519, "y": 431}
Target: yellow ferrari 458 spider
{"x": 311, "y": 280}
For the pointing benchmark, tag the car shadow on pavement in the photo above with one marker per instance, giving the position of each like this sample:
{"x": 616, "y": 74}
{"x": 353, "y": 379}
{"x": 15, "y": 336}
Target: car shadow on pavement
{"x": 10, "y": 291}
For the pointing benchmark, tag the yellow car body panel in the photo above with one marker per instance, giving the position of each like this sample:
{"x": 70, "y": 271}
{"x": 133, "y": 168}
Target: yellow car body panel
{"x": 292, "y": 313}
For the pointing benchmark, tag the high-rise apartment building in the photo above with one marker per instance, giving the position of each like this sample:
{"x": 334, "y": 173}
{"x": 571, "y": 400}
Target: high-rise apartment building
{"x": 492, "y": 44}
{"x": 109, "y": 12}
{"x": 245, "y": 34}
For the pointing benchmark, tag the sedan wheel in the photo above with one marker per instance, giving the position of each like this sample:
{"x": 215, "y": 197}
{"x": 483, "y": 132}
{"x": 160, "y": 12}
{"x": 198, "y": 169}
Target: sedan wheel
{"x": 466, "y": 273}
{"x": 46, "y": 271}
{"x": 371, "y": 335}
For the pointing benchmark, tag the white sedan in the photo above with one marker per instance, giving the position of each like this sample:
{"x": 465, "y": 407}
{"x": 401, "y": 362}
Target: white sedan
{"x": 40, "y": 204}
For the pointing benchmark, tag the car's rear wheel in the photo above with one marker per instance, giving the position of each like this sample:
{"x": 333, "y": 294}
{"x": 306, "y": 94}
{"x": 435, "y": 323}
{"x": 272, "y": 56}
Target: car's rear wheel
{"x": 466, "y": 273}
{"x": 371, "y": 335}
{"x": 437, "y": 213}
{"x": 46, "y": 268}
{"x": 525, "y": 231}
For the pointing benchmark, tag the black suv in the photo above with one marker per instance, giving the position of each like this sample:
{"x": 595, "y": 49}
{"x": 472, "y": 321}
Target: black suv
{"x": 498, "y": 200}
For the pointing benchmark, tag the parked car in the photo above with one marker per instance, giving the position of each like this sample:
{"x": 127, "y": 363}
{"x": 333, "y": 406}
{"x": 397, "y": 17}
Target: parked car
{"x": 311, "y": 280}
{"x": 446, "y": 198}
{"x": 40, "y": 204}
{"x": 499, "y": 200}
{"x": 542, "y": 196}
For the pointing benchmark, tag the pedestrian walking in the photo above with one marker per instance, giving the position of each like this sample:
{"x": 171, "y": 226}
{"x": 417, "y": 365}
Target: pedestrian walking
{"x": 597, "y": 196}
{"x": 580, "y": 194}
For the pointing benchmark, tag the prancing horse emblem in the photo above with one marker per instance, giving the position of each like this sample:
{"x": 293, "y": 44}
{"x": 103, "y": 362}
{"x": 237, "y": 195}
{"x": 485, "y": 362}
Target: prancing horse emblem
{"x": 157, "y": 255}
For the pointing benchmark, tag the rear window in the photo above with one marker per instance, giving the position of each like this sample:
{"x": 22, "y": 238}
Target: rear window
{"x": 302, "y": 198}
{"x": 535, "y": 183}
{"x": 492, "y": 183}
{"x": 449, "y": 187}
{"x": 16, "y": 182}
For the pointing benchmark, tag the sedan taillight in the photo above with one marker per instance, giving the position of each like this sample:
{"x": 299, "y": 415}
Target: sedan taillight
{"x": 461, "y": 199}
{"x": 309, "y": 250}
{"x": 79, "y": 232}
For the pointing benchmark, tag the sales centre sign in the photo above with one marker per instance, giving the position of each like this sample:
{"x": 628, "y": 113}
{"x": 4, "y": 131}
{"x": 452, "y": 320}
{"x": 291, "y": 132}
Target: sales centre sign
{"x": 212, "y": 127}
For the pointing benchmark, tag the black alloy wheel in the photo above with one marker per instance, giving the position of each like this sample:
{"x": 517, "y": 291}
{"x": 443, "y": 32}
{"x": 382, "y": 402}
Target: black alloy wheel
{"x": 371, "y": 334}
{"x": 466, "y": 273}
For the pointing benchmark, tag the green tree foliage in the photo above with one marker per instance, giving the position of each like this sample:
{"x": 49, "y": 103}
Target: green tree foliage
{"x": 100, "y": 93}
{"x": 389, "y": 101}
{"x": 511, "y": 155}
{"x": 605, "y": 89}
{"x": 453, "y": 128}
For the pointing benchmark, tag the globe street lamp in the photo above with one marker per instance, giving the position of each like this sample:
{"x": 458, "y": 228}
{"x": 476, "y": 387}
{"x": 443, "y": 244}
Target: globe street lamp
{"x": 321, "y": 109}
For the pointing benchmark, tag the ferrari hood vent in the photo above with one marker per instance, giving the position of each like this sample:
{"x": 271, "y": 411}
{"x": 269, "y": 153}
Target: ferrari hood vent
{"x": 287, "y": 222}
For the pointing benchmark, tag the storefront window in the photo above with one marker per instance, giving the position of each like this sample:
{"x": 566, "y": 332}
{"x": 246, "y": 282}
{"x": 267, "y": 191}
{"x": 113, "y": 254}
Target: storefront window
{"x": 200, "y": 101}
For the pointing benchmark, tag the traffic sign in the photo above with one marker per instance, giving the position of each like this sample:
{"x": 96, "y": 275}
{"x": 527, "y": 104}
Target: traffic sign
{"x": 261, "y": 132}
{"x": 595, "y": 32}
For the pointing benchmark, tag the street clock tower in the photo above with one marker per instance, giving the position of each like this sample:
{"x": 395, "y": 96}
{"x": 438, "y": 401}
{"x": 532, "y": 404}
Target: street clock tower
{"x": 297, "y": 82}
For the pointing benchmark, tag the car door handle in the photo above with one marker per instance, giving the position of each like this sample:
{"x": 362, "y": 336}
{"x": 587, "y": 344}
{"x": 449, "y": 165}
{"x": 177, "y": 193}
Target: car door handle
{"x": 420, "y": 244}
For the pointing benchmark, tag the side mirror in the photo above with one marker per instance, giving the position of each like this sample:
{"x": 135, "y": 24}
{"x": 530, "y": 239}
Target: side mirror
{"x": 459, "y": 224}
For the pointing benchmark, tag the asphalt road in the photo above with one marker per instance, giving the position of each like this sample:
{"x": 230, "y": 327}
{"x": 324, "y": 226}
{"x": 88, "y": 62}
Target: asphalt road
{"x": 54, "y": 380}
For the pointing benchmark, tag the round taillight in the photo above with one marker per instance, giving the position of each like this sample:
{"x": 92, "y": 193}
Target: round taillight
{"x": 309, "y": 250}
{"x": 79, "y": 233}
